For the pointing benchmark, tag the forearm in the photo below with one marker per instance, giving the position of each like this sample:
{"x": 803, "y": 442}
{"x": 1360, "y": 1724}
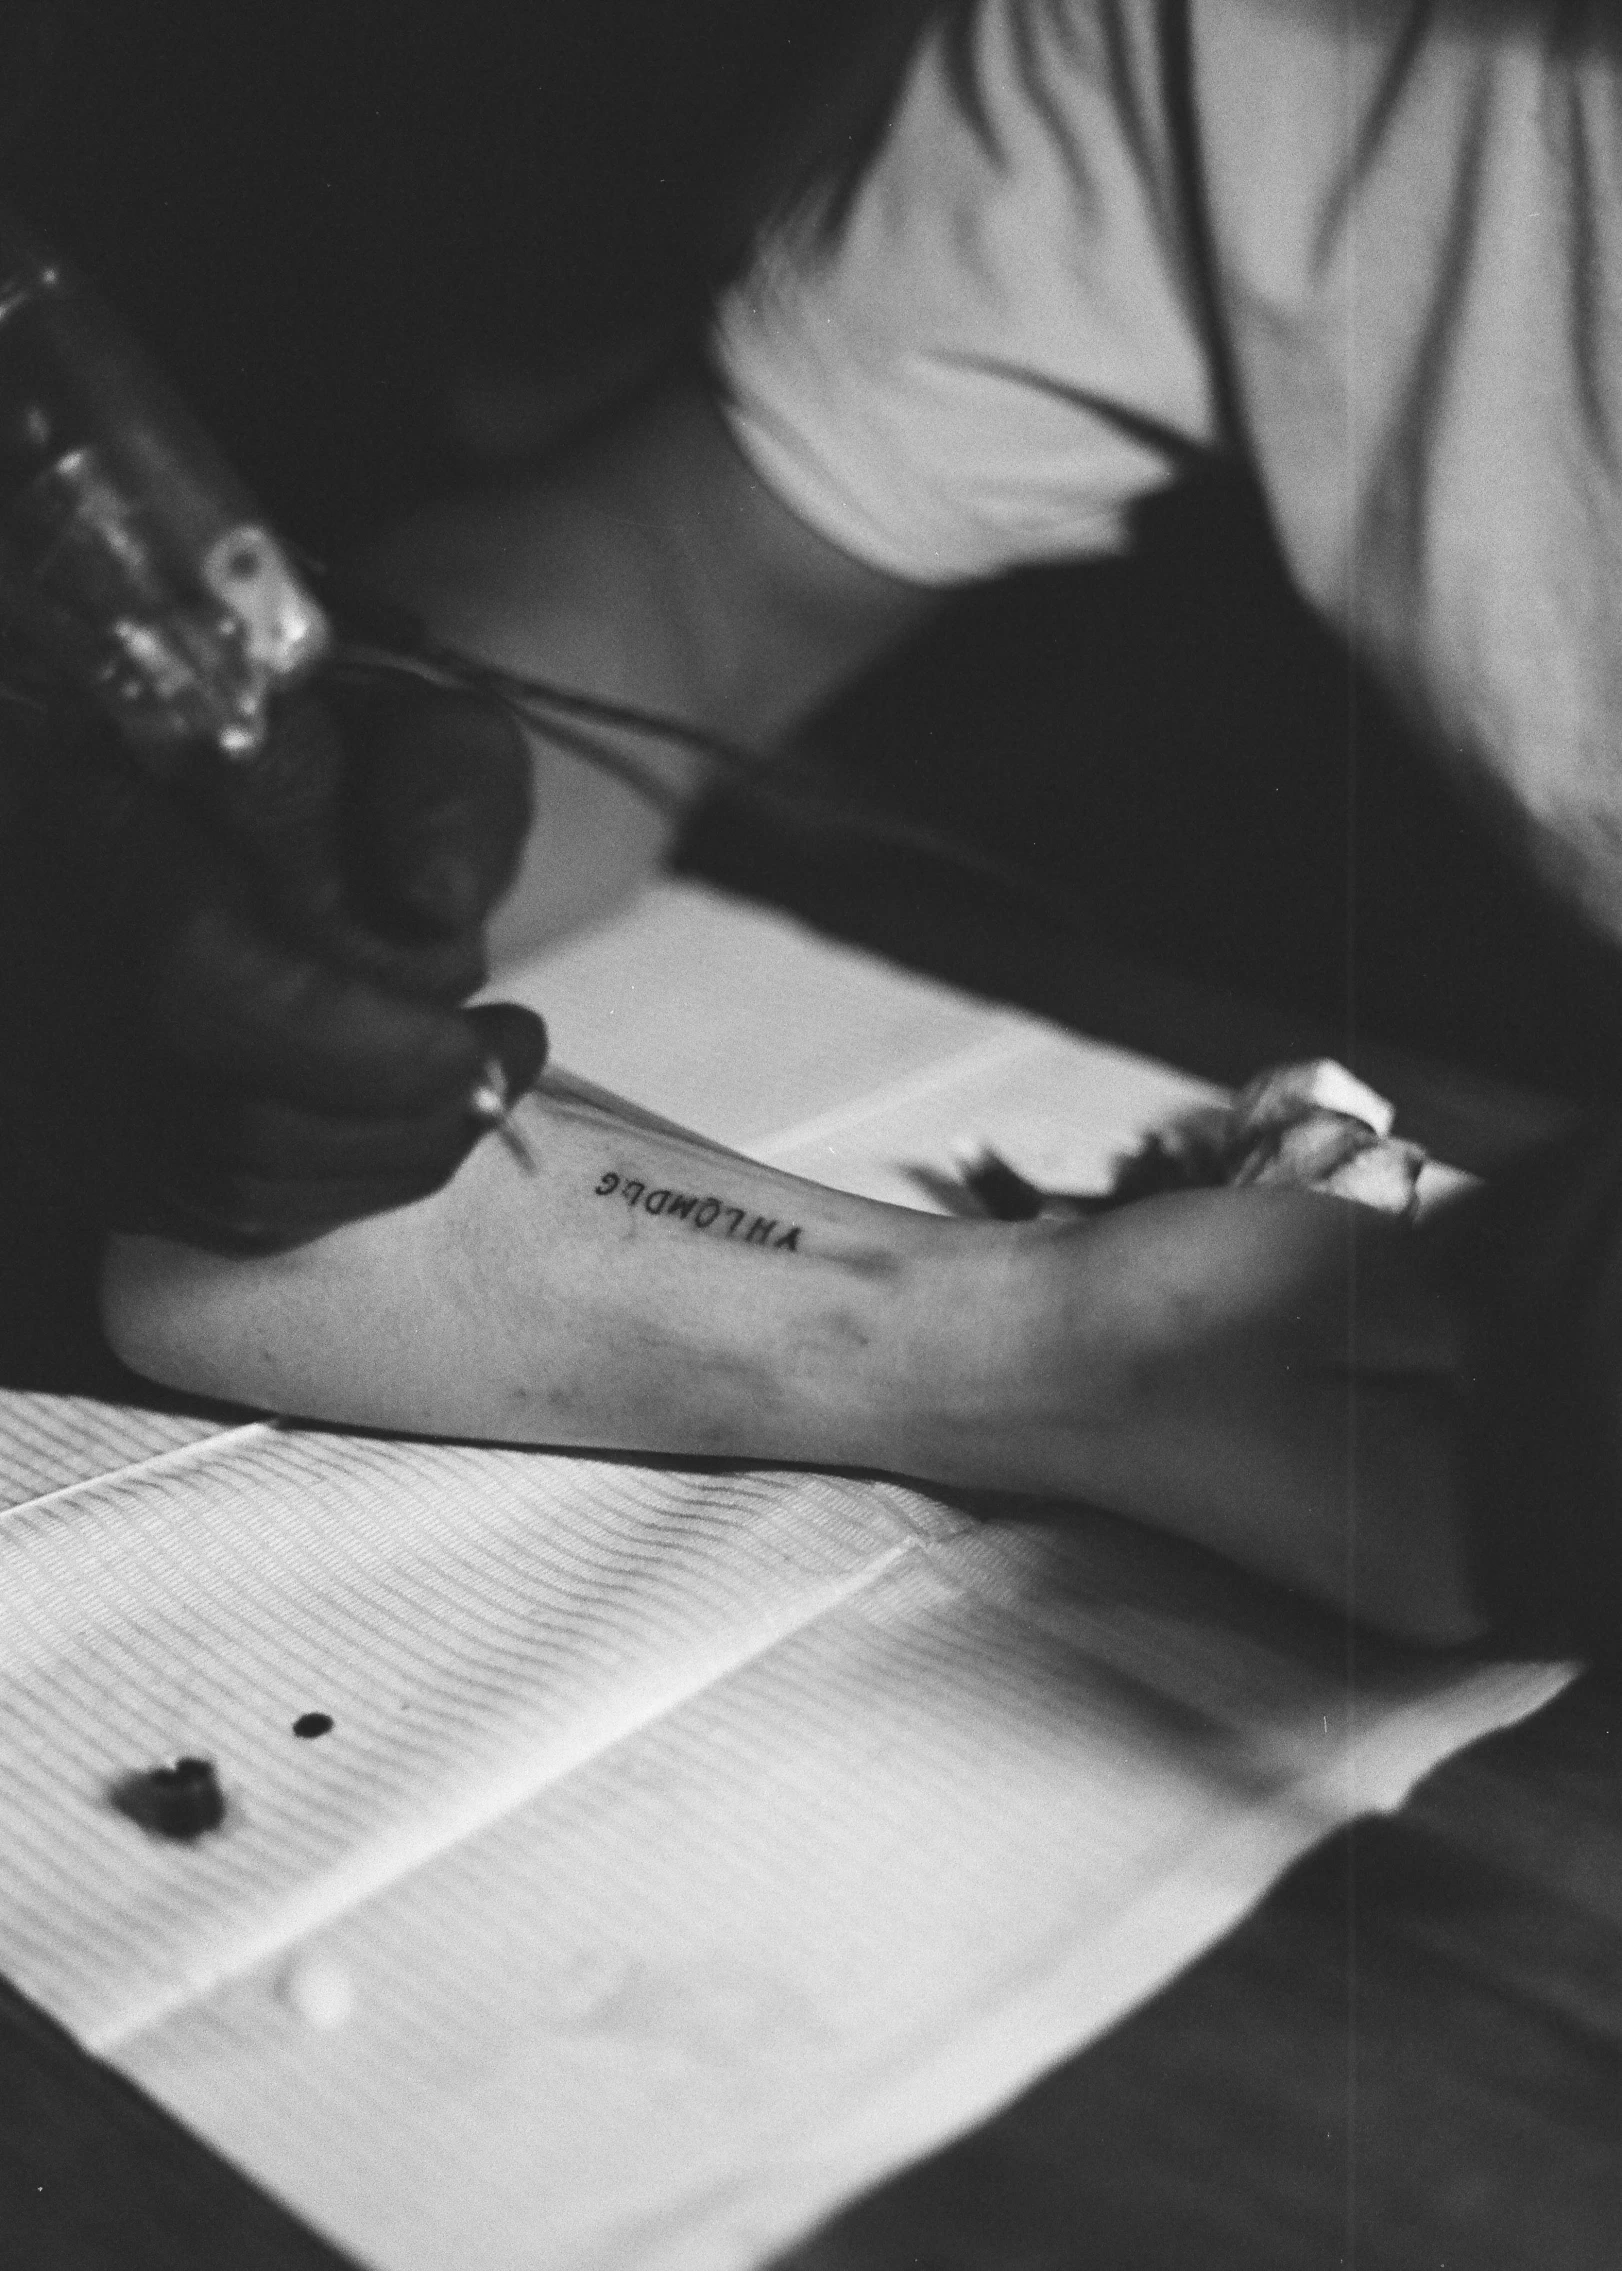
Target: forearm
{"x": 650, "y": 566}
{"x": 653, "y": 564}
{"x": 630, "y": 1288}
{"x": 1184, "y": 1361}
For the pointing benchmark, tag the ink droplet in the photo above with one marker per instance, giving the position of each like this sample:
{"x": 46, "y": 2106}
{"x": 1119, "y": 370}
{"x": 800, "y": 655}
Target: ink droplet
{"x": 181, "y": 1801}
{"x": 312, "y": 1723}
{"x": 319, "y": 1991}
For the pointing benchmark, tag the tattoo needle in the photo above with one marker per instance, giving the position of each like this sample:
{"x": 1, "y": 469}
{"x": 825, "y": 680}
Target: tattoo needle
{"x": 491, "y": 1104}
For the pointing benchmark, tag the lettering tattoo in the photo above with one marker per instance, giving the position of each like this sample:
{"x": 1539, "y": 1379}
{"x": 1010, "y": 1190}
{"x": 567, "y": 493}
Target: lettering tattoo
{"x": 707, "y": 1213}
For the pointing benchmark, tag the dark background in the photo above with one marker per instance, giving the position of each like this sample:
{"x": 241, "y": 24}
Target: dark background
{"x": 382, "y": 251}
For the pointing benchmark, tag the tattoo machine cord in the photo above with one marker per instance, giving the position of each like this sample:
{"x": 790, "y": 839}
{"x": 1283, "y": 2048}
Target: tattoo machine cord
{"x": 138, "y": 578}
{"x": 564, "y": 716}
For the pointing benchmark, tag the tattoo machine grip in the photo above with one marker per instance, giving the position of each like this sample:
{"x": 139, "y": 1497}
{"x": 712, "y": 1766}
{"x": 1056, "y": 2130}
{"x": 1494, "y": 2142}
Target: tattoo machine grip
{"x": 135, "y": 573}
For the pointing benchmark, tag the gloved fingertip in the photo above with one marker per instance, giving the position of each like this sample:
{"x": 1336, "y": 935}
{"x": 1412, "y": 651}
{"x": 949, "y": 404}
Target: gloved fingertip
{"x": 516, "y": 1038}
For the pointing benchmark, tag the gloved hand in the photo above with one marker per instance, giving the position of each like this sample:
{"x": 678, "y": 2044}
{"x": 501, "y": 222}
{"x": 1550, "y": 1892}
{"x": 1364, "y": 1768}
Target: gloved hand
{"x": 228, "y": 1005}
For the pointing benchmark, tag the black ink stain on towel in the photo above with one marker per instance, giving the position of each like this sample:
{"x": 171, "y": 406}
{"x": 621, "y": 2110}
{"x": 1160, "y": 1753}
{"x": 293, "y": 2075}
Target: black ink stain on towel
{"x": 182, "y": 1801}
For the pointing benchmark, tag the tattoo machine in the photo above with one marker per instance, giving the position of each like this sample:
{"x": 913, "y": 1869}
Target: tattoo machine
{"x": 134, "y": 571}
{"x": 136, "y": 574}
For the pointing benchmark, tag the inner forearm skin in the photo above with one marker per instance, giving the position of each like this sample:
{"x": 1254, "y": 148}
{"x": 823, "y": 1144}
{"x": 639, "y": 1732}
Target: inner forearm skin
{"x": 635, "y": 1289}
{"x": 1192, "y": 1360}
{"x": 650, "y": 565}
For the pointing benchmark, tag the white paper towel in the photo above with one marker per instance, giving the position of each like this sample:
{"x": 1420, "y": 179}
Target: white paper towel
{"x": 690, "y": 1845}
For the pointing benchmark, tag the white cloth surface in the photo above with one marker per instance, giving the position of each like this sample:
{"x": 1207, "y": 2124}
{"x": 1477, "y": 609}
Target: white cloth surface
{"x": 692, "y": 1845}
{"x": 48, "y": 1443}
{"x": 1373, "y": 251}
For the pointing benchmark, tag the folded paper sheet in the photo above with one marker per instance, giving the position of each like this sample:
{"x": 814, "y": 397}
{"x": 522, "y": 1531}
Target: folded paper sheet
{"x": 690, "y": 1846}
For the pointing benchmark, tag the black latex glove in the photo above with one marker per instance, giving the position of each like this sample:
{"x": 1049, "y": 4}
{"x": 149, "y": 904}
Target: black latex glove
{"x": 1535, "y": 1260}
{"x": 228, "y": 1006}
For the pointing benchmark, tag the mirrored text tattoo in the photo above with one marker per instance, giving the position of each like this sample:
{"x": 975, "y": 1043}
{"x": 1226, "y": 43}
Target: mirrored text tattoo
{"x": 701, "y": 1213}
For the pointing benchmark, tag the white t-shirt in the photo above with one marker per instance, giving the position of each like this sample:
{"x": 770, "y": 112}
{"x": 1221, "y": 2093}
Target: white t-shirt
{"x": 1376, "y": 250}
